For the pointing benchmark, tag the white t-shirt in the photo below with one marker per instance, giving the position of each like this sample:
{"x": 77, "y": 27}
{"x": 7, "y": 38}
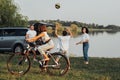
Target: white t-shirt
{"x": 46, "y": 37}
{"x": 84, "y": 37}
{"x": 31, "y": 33}
{"x": 63, "y": 42}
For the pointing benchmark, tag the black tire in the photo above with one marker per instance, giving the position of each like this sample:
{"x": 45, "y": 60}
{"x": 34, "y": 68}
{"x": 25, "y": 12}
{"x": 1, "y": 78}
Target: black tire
{"x": 16, "y": 64}
{"x": 63, "y": 64}
{"x": 18, "y": 48}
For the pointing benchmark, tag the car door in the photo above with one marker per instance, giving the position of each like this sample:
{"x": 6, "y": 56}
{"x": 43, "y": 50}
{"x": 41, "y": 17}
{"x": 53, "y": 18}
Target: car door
{"x": 8, "y": 38}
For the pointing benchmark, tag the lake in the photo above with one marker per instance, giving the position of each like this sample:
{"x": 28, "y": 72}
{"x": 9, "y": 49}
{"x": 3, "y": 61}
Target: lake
{"x": 102, "y": 44}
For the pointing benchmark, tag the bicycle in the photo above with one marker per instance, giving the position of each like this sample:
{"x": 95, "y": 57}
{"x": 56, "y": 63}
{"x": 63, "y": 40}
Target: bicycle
{"x": 17, "y": 64}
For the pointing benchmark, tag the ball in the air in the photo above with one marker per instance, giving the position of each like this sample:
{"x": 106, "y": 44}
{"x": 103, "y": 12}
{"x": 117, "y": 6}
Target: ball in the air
{"x": 57, "y": 5}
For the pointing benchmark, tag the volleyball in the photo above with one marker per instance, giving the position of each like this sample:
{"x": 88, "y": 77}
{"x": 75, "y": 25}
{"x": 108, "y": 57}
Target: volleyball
{"x": 57, "y": 5}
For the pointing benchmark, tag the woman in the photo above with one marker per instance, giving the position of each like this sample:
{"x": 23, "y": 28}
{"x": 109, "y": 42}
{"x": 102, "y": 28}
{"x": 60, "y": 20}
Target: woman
{"x": 85, "y": 41}
{"x": 48, "y": 43}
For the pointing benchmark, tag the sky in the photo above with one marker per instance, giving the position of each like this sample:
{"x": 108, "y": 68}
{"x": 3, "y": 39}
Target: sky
{"x": 102, "y": 12}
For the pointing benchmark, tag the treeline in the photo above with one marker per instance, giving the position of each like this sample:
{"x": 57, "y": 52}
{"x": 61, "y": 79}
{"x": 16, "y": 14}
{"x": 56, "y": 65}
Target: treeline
{"x": 77, "y": 23}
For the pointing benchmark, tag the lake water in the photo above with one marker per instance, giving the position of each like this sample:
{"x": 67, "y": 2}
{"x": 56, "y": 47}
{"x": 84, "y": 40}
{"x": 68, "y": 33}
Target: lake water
{"x": 102, "y": 44}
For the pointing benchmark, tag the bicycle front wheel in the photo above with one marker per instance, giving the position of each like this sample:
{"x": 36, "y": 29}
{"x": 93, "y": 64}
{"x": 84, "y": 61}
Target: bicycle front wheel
{"x": 62, "y": 65}
{"x": 18, "y": 64}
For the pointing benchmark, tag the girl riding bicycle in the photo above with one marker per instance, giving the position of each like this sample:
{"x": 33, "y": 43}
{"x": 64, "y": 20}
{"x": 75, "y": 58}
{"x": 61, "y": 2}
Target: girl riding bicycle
{"x": 48, "y": 43}
{"x": 17, "y": 65}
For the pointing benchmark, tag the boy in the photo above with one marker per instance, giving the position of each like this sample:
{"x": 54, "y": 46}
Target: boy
{"x": 64, "y": 41}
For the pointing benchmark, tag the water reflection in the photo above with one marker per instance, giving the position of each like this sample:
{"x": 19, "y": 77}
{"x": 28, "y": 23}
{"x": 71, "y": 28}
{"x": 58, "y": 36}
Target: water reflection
{"x": 102, "y": 32}
{"x": 93, "y": 33}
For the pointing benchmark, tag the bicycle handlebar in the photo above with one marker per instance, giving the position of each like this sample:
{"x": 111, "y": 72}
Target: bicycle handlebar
{"x": 31, "y": 44}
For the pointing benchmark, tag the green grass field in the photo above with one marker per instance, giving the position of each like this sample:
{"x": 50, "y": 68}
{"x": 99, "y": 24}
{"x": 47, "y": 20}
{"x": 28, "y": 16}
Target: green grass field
{"x": 98, "y": 69}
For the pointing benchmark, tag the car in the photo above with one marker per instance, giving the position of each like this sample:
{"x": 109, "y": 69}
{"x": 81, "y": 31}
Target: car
{"x": 12, "y": 39}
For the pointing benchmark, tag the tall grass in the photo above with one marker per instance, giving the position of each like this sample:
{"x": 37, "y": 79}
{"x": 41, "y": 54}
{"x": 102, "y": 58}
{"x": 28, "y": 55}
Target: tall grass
{"x": 97, "y": 69}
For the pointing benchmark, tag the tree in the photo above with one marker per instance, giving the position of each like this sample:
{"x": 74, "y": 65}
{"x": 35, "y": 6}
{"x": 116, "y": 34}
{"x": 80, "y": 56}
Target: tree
{"x": 9, "y": 15}
{"x": 74, "y": 27}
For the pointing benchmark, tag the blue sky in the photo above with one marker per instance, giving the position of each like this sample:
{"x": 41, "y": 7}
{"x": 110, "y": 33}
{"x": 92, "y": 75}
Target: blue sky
{"x": 102, "y": 12}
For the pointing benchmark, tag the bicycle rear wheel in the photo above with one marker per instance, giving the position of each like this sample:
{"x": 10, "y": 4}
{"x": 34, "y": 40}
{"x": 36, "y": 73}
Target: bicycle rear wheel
{"x": 18, "y": 64}
{"x": 58, "y": 69}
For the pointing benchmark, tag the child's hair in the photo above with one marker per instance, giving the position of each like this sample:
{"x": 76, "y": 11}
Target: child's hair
{"x": 64, "y": 33}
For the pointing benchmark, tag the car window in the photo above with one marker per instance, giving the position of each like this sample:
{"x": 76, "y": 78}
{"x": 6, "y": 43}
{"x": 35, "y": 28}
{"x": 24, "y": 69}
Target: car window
{"x": 9, "y": 32}
{"x": 21, "y": 32}
{"x": 1, "y": 32}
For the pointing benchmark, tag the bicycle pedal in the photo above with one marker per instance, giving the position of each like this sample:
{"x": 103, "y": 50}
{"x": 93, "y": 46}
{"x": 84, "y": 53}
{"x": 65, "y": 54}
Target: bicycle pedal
{"x": 40, "y": 66}
{"x": 21, "y": 72}
{"x": 57, "y": 67}
{"x": 40, "y": 62}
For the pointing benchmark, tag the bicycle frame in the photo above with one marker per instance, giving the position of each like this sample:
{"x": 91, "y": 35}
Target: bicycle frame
{"x": 53, "y": 67}
{"x": 29, "y": 48}
{"x": 55, "y": 63}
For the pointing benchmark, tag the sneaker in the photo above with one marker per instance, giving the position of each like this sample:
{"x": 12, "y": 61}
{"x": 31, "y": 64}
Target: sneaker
{"x": 68, "y": 67}
{"x": 34, "y": 59}
{"x": 26, "y": 60}
{"x": 35, "y": 48}
{"x": 86, "y": 62}
{"x": 40, "y": 64}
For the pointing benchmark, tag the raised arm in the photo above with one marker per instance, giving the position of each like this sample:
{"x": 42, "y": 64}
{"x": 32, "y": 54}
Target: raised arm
{"x": 56, "y": 27}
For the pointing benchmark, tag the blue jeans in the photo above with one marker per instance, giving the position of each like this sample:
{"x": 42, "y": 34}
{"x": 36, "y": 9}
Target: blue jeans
{"x": 85, "y": 50}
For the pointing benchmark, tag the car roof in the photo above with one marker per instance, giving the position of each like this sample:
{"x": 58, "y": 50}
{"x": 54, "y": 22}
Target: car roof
{"x": 43, "y": 23}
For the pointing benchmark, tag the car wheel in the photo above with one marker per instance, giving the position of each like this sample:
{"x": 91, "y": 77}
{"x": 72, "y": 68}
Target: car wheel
{"x": 18, "y": 48}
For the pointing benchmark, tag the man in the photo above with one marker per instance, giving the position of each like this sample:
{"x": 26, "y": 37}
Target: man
{"x": 30, "y": 34}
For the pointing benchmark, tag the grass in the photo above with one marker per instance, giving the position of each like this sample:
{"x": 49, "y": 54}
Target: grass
{"x": 98, "y": 69}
